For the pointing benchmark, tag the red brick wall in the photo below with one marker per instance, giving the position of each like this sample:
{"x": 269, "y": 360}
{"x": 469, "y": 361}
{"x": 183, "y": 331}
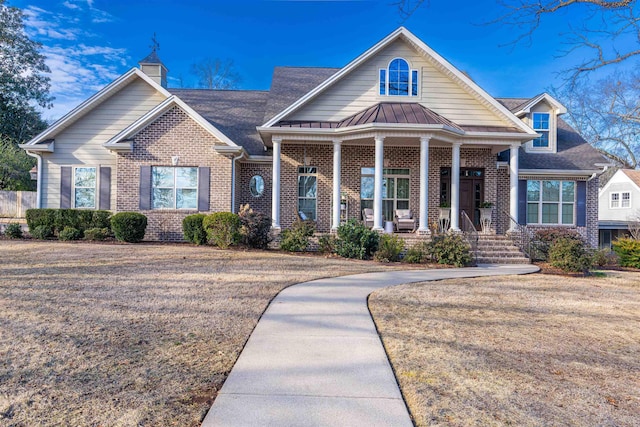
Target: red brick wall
{"x": 172, "y": 134}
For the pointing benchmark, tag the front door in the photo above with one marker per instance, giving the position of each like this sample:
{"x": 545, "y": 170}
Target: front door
{"x": 471, "y": 191}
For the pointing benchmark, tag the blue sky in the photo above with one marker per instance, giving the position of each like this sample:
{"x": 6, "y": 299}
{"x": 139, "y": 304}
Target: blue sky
{"x": 89, "y": 43}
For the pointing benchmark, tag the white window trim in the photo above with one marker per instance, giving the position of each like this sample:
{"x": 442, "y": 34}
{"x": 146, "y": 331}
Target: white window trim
{"x": 552, "y": 132}
{"x": 95, "y": 189}
{"x": 541, "y": 130}
{"x": 386, "y": 81}
{"x": 175, "y": 188}
{"x": 298, "y": 186}
{"x": 620, "y": 195}
{"x": 540, "y": 202}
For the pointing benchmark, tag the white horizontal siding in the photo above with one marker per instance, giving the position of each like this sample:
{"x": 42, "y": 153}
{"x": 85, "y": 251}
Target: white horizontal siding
{"x": 81, "y": 142}
{"x": 359, "y": 90}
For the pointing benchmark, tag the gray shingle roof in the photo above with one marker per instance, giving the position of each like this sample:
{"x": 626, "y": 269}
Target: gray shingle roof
{"x": 574, "y": 153}
{"x": 236, "y": 113}
{"x": 152, "y": 58}
{"x": 289, "y": 84}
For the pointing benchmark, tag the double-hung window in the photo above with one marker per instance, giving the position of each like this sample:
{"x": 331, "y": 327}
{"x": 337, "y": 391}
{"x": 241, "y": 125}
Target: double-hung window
{"x": 308, "y": 191}
{"x": 174, "y": 187}
{"x": 551, "y": 202}
{"x": 541, "y": 126}
{"x": 84, "y": 187}
{"x": 620, "y": 200}
{"x": 398, "y": 79}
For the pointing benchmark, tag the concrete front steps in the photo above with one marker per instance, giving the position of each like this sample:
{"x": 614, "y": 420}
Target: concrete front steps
{"x": 496, "y": 249}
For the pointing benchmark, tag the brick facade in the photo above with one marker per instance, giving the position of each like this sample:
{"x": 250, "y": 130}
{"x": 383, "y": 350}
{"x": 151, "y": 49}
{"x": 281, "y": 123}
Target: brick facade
{"x": 247, "y": 170}
{"x": 172, "y": 134}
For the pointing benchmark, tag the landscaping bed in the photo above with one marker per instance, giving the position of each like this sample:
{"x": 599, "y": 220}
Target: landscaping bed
{"x": 528, "y": 351}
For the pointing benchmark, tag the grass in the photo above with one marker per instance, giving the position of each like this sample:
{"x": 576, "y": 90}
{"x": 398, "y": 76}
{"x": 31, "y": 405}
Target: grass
{"x": 121, "y": 335}
{"x": 526, "y": 351}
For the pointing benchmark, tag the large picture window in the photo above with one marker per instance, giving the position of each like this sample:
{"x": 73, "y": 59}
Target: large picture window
{"x": 395, "y": 190}
{"x": 398, "y": 79}
{"x": 551, "y": 202}
{"x": 84, "y": 187}
{"x": 541, "y": 125}
{"x": 174, "y": 187}
{"x": 308, "y": 191}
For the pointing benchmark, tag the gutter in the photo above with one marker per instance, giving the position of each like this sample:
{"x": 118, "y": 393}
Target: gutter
{"x": 233, "y": 180}
{"x": 39, "y": 178}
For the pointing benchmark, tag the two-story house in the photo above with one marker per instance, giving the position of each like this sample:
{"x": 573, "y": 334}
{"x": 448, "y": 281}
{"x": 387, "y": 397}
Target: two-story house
{"x": 619, "y": 205}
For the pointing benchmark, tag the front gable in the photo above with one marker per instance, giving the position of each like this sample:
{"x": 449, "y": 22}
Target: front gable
{"x": 441, "y": 88}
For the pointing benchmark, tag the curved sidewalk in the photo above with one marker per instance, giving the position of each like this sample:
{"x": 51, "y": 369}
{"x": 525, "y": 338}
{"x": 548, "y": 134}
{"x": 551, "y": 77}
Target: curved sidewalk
{"x": 315, "y": 357}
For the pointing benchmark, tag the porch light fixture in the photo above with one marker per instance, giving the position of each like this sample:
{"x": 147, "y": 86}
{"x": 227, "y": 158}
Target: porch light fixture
{"x": 174, "y": 160}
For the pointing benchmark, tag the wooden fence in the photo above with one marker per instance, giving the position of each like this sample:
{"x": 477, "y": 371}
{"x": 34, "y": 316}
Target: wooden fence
{"x": 14, "y": 204}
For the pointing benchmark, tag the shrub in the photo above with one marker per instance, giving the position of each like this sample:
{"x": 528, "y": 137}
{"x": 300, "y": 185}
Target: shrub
{"x": 38, "y": 217}
{"x": 129, "y": 226}
{"x": 193, "y": 230}
{"x": 41, "y": 232}
{"x": 416, "y": 253}
{"x": 629, "y": 252}
{"x": 570, "y": 254}
{"x": 96, "y": 233}
{"x": 547, "y": 236}
{"x": 389, "y": 248}
{"x": 296, "y": 239}
{"x": 100, "y": 219}
{"x": 222, "y": 228}
{"x": 13, "y": 231}
{"x": 255, "y": 228}
{"x": 604, "y": 257}
{"x": 327, "y": 243}
{"x": 70, "y": 233}
{"x": 449, "y": 249}
{"x": 355, "y": 240}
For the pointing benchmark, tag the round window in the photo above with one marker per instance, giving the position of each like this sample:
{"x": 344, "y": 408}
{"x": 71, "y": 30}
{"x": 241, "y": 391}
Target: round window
{"x": 256, "y": 185}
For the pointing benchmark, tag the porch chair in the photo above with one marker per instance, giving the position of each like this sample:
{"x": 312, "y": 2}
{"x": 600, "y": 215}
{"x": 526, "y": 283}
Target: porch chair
{"x": 367, "y": 217}
{"x": 404, "y": 220}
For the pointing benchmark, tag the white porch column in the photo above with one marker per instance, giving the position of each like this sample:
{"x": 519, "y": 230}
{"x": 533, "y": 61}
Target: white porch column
{"x": 513, "y": 181}
{"x": 377, "y": 184}
{"x": 423, "y": 227}
{"x": 275, "y": 192}
{"x": 337, "y": 152}
{"x": 455, "y": 186}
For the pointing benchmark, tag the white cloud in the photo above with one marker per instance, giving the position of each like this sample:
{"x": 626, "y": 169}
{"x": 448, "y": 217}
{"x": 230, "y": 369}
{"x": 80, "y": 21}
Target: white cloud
{"x": 70, "y": 5}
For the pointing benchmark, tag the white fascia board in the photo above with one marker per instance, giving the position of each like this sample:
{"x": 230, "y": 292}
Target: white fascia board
{"x": 428, "y": 51}
{"x": 257, "y": 159}
{"x": 227, "y": 150}
{"x": 95, "y": 100}
{"x": 615, "y": 179}
{"x": 41, "y": 148}
{"x": 160, "y": 109}
{"x": 526, "y": 109}
{"x": 558, "y": 172}
{"x": 500, "y": 135}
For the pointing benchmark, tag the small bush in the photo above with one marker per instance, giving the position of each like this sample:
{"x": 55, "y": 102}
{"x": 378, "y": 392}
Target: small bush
{"x": 96, "y": 234}
{"x": 327, "y": 243}
{"x": 296, "y": 239}
{"x": 13, "y": 231}
{"x": 222, "y": 228}
{"x": 570, "y": 254}
{"x": 546, "y": 237}
{"x": 70, "y": 233}
{"x": 255, "y": 228}
{"x": 38, "y": 217}
{"x": 193, "y": 229}
{"x": 628, "y": 250}
{"x": 355, "y": 240}
{"x": 129, "y": 226}
{"x": 416, "y": 254}
{"x": 41, "y": 232}
{"x": 449, "y": 249}
{"x": 389, "y": 248}
{"x": 100, "y": 219}
{"x": 604, "y": 257}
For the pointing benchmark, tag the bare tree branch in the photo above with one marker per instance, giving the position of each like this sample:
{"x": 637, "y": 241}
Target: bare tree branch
{"x": 216, "y": 74}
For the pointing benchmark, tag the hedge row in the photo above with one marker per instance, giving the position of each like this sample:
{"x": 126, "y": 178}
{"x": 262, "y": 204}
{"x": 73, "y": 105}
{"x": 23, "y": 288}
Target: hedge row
{"x": 56, "y": 220}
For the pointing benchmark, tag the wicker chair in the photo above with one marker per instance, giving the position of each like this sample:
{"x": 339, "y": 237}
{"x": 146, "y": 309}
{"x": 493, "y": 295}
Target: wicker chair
{"x": 404, "y": 220}
{"x": 367, "y": 217}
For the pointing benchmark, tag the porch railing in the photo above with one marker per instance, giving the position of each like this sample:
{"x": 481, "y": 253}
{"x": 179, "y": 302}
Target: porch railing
{"x": 470, "y": 233}
{"x": 521, "y": 236}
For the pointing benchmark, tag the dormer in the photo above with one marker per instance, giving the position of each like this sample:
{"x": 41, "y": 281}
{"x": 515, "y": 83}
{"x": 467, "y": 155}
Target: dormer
{"x": 153, "y": 67}
{"x": 541, "y": 114}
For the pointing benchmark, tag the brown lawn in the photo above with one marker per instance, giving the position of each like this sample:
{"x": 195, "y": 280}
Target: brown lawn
{"x": 535, "y": 350}
{"x": 122, "y": 335}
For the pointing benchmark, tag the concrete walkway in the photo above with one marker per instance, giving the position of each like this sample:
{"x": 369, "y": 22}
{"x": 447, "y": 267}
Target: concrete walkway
{"x": 315, "y": 358}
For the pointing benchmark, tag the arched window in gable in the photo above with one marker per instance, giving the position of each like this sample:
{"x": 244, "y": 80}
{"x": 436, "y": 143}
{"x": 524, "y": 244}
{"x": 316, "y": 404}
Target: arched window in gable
{"x": 398, "y": 79}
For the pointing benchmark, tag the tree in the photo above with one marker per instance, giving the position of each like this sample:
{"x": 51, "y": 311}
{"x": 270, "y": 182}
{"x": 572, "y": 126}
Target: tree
{"x": 23, "y": 85}
{"x": 216, "y": 74}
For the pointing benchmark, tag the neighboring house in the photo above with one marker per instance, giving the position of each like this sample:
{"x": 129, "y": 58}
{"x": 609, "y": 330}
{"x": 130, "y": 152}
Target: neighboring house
{"x": 619, "y": 205}
{"x": 399, "y": 127}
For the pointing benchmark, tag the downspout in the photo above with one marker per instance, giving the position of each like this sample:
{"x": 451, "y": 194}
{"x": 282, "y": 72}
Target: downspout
{"x": 39, "y": 178}
{"x": 233, "y": 180}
